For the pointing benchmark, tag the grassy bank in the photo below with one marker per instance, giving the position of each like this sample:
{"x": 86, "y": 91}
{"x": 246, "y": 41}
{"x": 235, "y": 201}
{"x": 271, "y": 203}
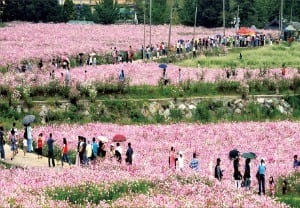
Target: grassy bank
{"x": 292, "y": 197}
{"x": 255, "y": 58}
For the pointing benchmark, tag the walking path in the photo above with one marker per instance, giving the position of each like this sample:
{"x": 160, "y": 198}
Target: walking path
{"x": 27, "y": 161}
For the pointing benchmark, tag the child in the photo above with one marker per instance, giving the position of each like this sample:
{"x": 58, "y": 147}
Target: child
{"x": 24, "y": 146}
{"x": 284, "y": 186}
{"x": 296, "y": 163}
{"x": 272, "y": 186}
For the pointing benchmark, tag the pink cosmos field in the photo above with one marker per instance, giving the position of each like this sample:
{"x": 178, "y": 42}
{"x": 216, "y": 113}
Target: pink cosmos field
{"x": 138, "y": 74}
{"x": 276, "y": 142}
{"x": 24, "y": 41}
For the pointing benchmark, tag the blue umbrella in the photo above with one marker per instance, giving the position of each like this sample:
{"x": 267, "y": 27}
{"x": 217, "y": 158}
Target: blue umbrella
{"x": 28, "y": 119}
{"x": 163, "y": 66}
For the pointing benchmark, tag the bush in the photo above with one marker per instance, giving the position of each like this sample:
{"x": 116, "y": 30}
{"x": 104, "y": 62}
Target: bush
{"x": 176, "y": 114}
{"x": 202, "y": 112}
{"x": 228, "y": 86}
{"x": 94, "y": 193}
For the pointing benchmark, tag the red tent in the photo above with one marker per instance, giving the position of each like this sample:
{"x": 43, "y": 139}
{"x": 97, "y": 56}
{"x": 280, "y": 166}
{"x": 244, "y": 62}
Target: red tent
{"x": 246, "y": 31}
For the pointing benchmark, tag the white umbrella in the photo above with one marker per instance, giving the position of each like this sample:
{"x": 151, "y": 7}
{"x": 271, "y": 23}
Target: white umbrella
{"x": 102, "y": 138}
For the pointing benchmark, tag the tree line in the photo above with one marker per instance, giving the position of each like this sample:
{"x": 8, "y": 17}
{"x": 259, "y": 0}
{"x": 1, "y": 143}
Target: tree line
{"x": 209, "y": 12}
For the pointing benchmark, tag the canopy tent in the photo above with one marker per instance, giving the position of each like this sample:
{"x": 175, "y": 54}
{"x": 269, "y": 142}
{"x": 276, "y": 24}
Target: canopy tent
{"x": 246, "y": 31}
{"x": 253, "y": 27}
{"x": 290, "y": 28}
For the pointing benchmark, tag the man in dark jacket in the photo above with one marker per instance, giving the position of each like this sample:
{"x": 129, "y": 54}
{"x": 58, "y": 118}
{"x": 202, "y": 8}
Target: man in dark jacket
{"x": 2, "y": 142}
{"x": 129, "y": 154}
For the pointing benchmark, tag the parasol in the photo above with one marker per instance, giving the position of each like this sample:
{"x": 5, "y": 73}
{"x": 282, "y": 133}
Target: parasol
{"x": 102, "y": 139}
{"x": 163, "y": 66}
{"x": 119, "y": 138}
{"x": 28, "y": 119}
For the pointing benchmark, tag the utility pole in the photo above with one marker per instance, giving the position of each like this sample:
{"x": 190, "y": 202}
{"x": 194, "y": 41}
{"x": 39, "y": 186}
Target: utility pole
{"x": 195, "y": 23}
{"x": 150, "y": 15}
{"x": 169, "y": 41}
{"x": 281, "y": 16}
{"x": 292, "y": 4}
{"x": 238, "y": 18}
{"x": 224, "y": 18}
{"x": 144, "y": 47}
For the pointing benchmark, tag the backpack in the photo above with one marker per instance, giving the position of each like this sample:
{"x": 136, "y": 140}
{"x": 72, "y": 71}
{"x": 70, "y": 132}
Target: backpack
{"x": 25, "y": 133}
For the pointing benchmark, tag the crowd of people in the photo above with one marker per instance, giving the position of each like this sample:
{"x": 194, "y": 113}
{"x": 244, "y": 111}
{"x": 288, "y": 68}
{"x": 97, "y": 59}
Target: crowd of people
{"x": 241, "y": 180}
{"x": 88, "y": 152}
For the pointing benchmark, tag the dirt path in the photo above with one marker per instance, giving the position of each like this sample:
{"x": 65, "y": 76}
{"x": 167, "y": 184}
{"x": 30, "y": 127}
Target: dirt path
{"x": 29, "y": 160}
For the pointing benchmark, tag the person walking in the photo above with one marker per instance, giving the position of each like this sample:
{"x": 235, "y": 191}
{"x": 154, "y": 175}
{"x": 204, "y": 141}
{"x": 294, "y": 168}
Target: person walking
{"x": 50, "y": 142}
{"x": 296, "y": 163}
{"x": 247, "y": 174}
{"x": 29, "y": 138}
{"x": 129, "y": 154}
{"x": 16, "y": 135}
{"x": 95, "y": 148}
{"x": 172, "y": 159}
{"x": 237, "y": 173}
{"x": 2, "y": 143}
{"x": 180, "y": 161}
{"x": 261, "y": 177}
{"x": 194, "y": 164}
{"x": 13, "y": 144}
{"x": 271, "y": 186}
{"x": 64, "y": 153}
{"x": 218, "y": 171}
{"x": 40, "y": 146}
{"x": 24, "y": 146}
{"x": 118, "y": 152}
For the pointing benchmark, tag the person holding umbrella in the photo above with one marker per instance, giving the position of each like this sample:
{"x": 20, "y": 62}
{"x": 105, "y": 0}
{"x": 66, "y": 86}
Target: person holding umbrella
{"x": 27, "y": 120}
{"x": 29, "y": 138}
{"x": 247, "y": 174}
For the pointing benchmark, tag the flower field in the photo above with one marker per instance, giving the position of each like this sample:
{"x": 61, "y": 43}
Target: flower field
{"x": 138, "y": 74}
{"x": 277, "y": 142}
{"x": 24, "y": 41}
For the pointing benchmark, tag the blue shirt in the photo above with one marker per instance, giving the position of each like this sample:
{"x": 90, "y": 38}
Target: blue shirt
{"x": 95, "y": 148}
{"x": 194, "y": 164}
{"x": 262, "y": 169}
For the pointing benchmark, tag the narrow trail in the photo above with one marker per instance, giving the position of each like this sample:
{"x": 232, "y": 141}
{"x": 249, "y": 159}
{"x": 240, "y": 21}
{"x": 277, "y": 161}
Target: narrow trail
{"x": 28, "y": 160}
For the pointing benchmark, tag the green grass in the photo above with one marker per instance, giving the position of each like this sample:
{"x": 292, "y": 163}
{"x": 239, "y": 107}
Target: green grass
{"x": 292, "y": 197}
{"x": 94, "y": 193}
{"x": 253, "y": 58}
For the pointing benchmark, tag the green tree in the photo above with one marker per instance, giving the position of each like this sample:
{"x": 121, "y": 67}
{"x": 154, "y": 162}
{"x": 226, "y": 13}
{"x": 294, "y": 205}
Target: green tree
{"x": 160, "y": 11}
{"x": 187, "y": 12}
{"x": 12, "y": 10}
{"x": 68, "y": 11}
{"x": 210, "y": 13}
{"x": 85, "y": 12}
{"x": 32, "y": 10}
{"x": 160, "y": 14}
{"x": 106, "y": 12}
{"x": 45, "y": 11}
{"x": 266, "y": 11}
